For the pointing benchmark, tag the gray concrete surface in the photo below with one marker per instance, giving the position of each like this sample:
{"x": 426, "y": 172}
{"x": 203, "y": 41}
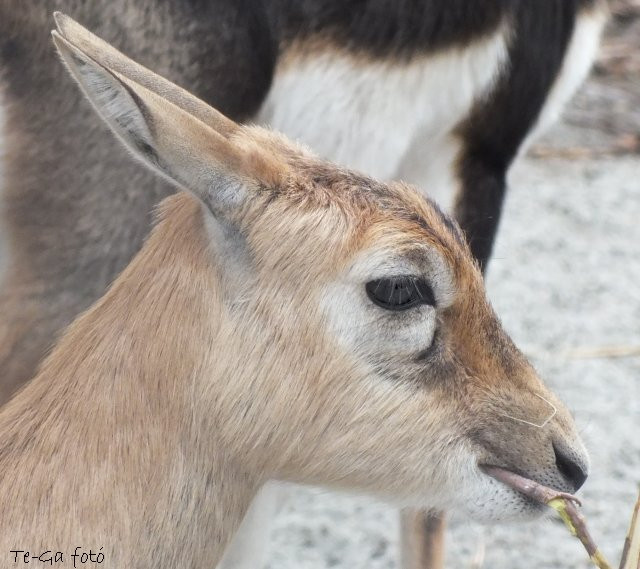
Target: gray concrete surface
{"x": 566, "y": 275}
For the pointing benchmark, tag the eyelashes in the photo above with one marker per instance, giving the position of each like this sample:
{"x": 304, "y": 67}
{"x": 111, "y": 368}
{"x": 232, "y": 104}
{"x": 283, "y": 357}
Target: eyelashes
{"x": 400, "y": 293}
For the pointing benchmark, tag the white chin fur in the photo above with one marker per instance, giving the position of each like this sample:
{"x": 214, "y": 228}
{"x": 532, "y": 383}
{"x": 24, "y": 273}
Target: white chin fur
{"x": 472, "y": 495}
{"x": 490, "y": 501}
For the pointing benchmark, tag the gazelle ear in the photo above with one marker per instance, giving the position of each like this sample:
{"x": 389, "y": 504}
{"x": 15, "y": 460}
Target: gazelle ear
{"x": 110, "y": 58}
{"x": 217, "y": 164}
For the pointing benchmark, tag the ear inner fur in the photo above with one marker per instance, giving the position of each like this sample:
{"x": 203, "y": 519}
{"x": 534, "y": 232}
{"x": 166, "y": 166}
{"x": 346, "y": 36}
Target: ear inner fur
{"x": 108, "y": 56}
{"x": 171, "y": 131}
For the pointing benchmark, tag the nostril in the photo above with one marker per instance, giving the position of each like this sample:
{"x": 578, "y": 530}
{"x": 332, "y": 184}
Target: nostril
{"x": 570, "y": 469}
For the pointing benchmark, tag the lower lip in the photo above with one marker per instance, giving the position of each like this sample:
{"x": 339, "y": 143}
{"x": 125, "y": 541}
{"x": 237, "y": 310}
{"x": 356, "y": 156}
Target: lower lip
{"x": 531, "y": 489}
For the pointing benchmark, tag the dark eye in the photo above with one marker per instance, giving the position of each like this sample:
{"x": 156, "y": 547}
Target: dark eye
{"x": 400, "y": 293}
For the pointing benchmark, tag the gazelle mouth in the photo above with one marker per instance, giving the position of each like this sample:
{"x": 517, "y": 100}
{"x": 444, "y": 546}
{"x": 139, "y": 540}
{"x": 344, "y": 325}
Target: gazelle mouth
{"x": 533, "y": 490}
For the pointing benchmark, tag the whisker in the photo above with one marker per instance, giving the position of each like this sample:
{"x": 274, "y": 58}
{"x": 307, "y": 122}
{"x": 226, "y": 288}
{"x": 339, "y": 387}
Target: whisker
{"x": 544, "y": 423}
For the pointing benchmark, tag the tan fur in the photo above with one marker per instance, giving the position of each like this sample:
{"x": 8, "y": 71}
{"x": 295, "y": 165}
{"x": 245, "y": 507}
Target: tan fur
{"x": 210, "y": 366}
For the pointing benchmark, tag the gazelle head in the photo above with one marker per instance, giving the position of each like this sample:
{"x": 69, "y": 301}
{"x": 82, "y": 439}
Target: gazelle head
{"x": 353, "y": 344}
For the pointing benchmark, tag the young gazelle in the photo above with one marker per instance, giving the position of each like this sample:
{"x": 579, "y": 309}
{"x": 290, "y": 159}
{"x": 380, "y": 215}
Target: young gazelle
{"x": 287, "y": 319}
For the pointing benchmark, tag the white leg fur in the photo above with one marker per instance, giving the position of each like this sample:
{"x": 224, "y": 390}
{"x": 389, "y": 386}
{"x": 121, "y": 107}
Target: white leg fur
{"x": 366, "y": 114}
{"x": 429, "y": 165}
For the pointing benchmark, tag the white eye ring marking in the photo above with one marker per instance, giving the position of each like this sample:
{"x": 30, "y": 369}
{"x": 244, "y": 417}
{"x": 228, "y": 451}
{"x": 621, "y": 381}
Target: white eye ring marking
{"x": 544, "y": 423}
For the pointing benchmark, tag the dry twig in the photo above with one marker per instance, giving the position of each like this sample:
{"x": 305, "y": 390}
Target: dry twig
{"x": 631, "y": 551}
{"x": 587, "y": 352}
{"x": 563, "y": 503}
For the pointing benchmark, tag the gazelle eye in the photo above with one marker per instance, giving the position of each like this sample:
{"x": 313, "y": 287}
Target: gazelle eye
{"x": 400, "y": 293}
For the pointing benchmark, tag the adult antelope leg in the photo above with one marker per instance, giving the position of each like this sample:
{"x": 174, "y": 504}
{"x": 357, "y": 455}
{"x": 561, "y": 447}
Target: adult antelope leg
{"x": 422, "y": 539}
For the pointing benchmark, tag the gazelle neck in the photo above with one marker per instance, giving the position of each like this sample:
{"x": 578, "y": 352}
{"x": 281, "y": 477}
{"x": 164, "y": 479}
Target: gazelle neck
{"x": 104, "y": 448}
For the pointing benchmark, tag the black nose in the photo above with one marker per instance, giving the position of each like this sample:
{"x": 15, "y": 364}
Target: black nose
{"x": 570, "y": 469}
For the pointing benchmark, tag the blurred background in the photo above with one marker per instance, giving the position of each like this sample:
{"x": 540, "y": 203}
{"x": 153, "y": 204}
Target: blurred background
{"x": 565, "y": 279}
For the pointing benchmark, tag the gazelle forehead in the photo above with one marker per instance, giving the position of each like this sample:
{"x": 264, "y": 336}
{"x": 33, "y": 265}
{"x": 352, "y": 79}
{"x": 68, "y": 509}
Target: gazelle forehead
{"x": 322, "y": 202}
{"x": 313, "y": 181}
{"x": 323, "y": 183}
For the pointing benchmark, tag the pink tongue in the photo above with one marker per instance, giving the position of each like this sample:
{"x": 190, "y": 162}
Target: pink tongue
{"x": 533, "y": 490}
